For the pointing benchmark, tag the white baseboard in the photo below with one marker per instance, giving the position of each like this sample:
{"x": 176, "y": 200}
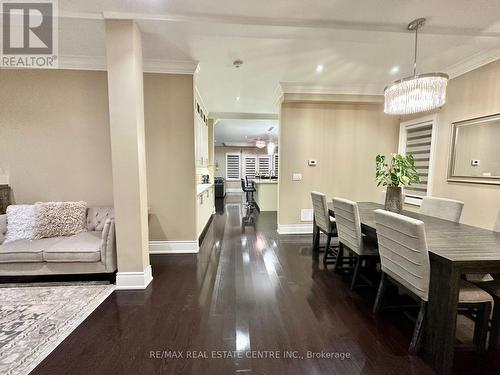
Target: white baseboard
{"x": 234, "y": 190}
{"x": 306, "y": 228}
{"x": 134, "y": 280}
{"x": 173, "y": 247}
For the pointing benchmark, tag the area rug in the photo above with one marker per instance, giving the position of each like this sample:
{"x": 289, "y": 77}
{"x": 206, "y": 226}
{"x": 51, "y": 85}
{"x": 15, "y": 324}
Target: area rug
{"x": 35, "y": 319}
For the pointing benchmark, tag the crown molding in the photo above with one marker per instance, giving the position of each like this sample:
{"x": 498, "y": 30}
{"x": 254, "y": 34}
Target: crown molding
{"x": 472, "y": 62}
{"x": 207, "y": 18}
{"x": 351, "y": 89}
{"x": 242, "y": 116}
{"x": 149, "y": 65}
{"x": 170, "y": 66}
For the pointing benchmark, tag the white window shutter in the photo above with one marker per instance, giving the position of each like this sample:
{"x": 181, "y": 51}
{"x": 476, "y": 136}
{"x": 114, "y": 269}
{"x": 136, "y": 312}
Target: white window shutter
{"x": 233, "y": 166}
{"x": 249, "y": 166}
{"x": 417, "y": 139}
{"x": 275, "y": 164}
{"x": 264, "y": 165}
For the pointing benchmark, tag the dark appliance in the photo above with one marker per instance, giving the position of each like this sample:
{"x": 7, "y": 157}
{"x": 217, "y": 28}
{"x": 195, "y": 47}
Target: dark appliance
{"x": 220, "y": 187}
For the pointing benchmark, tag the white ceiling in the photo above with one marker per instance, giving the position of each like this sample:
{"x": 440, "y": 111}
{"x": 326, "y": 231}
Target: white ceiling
{"x": 282, "y": 41}
{"x": 244, "y": 132}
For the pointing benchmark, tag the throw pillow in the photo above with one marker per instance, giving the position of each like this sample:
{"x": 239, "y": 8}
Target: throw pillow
{"x": 55, "y": 219}
{"x": 20, "y": 222}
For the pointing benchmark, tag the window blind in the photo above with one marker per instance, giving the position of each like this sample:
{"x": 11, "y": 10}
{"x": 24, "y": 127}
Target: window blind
{"x": 232, "y": 166}
{"x": 249, "y": 166}
{"x": 418, "y": 144}
{"x": 264, "y": 164}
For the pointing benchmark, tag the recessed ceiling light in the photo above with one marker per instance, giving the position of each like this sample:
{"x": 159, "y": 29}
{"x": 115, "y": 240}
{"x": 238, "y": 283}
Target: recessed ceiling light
{"x": 237, "y": 98}
{"x": 319, "y": 68}
{"x": 394, "y": 70}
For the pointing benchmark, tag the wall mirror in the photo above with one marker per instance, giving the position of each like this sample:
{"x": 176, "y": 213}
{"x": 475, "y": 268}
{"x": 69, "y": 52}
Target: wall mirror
{"x": 475, "y": 152}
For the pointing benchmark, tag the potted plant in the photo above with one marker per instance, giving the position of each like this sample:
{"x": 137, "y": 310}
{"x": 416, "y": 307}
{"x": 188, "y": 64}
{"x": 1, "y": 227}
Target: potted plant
{"x": 400, "y": 172}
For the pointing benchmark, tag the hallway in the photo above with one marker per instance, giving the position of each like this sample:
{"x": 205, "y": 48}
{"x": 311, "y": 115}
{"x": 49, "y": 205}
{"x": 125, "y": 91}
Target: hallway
{"x": 248, "y": 293}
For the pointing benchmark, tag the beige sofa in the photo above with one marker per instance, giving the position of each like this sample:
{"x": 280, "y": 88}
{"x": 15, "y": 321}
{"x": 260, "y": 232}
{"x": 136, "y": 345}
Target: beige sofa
{"x": 93, "y": 251}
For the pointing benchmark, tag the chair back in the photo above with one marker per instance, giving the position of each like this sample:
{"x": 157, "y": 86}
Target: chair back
{"x": 320, "y": 210}
{"x": 243, "y": 185}
{"x": 496, "y": 228}
{"x": 404, "y": 255}
{"x": 442, "y": 208}
{"x": 348, "y": 224}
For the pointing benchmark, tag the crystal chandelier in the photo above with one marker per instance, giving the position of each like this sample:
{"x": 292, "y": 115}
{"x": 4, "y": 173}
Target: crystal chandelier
{"x": 418, "y": 93}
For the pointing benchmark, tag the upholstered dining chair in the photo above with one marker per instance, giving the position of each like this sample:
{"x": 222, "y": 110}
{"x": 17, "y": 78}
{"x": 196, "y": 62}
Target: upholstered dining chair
{"x": 350, "y": 236}
{"x": 323, "y": 223}
{"x": 442, "y": 208}
{"x": 496, "y": 227}
{"x": 404, "y": 259}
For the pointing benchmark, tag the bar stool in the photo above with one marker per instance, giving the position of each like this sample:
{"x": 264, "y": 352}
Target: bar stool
{"x": 249, "y": 190}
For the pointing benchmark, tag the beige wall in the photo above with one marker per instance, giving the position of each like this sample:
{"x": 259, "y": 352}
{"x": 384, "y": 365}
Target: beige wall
{"x": 170, "y": 156}
{"x": 344, "y": 139}
{"x": 54, "y": 135}
{"x": 473, "y": 94}
{"x": 55, "y": 142}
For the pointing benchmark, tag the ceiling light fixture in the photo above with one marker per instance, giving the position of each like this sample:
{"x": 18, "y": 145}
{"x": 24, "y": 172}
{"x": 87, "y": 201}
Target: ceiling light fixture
{"x": 237, "y": 98}
{"x": 394, "y": 70}
{"x": 271, "y": 146}
{"x": 417, "y": 93}
{"x": 319, "y": 68}
{"x": 260, "y": 143}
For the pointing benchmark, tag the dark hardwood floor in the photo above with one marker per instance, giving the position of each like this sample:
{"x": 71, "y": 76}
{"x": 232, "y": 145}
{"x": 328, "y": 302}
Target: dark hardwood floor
{"x": 247, "y": 289}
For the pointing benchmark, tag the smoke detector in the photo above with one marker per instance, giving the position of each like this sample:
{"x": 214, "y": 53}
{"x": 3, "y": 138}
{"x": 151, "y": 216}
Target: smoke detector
{"x": 237, "y": 63}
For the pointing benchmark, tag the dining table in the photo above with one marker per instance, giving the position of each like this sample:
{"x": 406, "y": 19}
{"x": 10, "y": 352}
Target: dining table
{"x": 455, "y": 249}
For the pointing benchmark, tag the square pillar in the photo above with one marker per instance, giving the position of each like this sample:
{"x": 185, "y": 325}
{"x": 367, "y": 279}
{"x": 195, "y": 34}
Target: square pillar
{"x": 126, "y": 117}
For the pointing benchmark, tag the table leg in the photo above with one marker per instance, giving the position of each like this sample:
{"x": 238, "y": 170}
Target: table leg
{"x": 441, "y": 318}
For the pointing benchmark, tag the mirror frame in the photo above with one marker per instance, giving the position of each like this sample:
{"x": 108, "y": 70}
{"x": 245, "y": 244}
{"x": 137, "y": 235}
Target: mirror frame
{"x": 493, "y": 180}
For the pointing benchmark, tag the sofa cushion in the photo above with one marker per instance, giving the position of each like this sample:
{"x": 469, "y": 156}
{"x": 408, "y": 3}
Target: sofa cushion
{"x": 81, "y": 247}
{"x": 20, "y": 222}
{"x": 26, "y": 250}
{"x": 97, "y": 216}
{"x": 54, "y": 219}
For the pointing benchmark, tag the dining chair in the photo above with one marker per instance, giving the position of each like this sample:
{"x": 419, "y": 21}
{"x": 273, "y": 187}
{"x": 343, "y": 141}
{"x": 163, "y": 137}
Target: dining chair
{"x": 323, "y": 223}
{"x": 404, "y": 259}
{"x": 442, "y": 208}
{"x": 493, "y": 287}
{"x": 496, "y": 227}
{"x": 351, "y": 238}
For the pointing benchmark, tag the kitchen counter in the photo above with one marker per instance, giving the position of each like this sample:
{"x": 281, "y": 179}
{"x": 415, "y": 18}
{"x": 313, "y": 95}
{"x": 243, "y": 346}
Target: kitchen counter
{"x": 201, "y": 188}
{"x": 265, "y": 181}
{"x": 266, "y": 194}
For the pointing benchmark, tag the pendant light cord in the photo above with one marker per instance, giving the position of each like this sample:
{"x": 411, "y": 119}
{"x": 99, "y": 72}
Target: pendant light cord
{"x": 416, "y": 44}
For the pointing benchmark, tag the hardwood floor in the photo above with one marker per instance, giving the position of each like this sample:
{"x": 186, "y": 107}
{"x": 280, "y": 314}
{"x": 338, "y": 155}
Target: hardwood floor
{"x": 248, "y": 289}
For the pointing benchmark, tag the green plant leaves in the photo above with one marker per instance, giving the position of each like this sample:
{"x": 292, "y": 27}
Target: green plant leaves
{"x": 400, "y": 172}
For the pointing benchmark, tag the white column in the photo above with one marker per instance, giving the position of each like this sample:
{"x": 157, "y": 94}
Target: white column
{"x": 126, "y": 116}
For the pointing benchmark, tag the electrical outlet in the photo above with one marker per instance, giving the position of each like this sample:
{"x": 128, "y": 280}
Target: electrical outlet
{"x": 297, "y": 177}
{"x": 306, "y": 214}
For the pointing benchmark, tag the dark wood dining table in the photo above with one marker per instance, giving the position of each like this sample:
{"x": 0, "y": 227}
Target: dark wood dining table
{"x": 454, "y": 250}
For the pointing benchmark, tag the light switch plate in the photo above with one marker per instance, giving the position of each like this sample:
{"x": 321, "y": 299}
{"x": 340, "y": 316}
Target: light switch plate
{"x": 474, "y": 162}
{"x": 297, "y": 177}
{"x": 312, "y": 162}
